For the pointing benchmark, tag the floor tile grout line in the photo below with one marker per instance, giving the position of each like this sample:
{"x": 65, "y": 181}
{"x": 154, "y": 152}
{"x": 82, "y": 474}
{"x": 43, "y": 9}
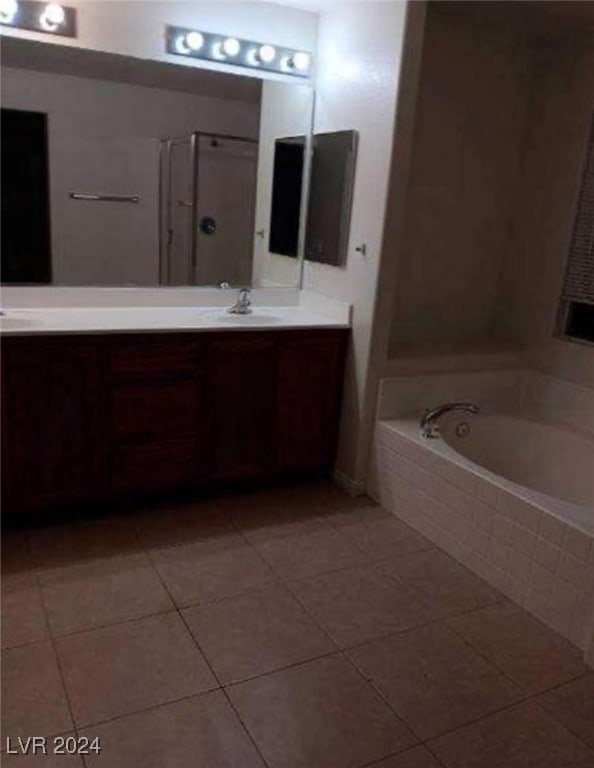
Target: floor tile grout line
{"x": 280, "y": 582}
{"x": 372, "y": 563}
{"x": 246, "y": 729}
{"x": 434, "y": 754}
{"x": 174, "y": 609}
{"x": 117, "y": 623}
{"x": 524, "y": 698}
{"x": 339, "y": 652}
{"x": 291, "y": 665}
{"x": 284, "y": 580}
{"x": 393, "y": 633}
{"x": 420, "y": 741}
{"x": 52, "y": 641}
{"x": 388, "y": 517}
{"x": 479, "y": 652}
{"x": 221, "y": 686}
{"x": 422, "y": 624}
{"x": 135, "y": 712}
{"x": 493, "y": 664}
{"x": 534, "y": 698}
{"x": 343, "y": 654}
{"x": 367, "y": 558}
{"x": 474, "y": 721}
{"x": 420, "y": 745}
{"x": 209, "y": 665}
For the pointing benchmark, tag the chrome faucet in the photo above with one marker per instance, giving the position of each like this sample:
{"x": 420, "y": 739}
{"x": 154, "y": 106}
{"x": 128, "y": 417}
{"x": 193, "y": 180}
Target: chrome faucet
{"x": 429, "y": 426}
{"x": 243, "y": 303}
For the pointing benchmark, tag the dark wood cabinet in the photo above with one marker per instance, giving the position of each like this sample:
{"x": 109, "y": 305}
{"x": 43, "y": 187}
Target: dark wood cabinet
{"x": 156, "y": 413}
{"x": 95, "y": 418}
{"x": 51, "y": 423}
{"x": 308, "y": 408}
{"x": 241, "y": 395}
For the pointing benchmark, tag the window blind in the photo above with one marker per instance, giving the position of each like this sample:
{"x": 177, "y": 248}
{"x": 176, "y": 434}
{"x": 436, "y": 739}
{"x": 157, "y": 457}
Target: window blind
{"x": 579, "y": 276}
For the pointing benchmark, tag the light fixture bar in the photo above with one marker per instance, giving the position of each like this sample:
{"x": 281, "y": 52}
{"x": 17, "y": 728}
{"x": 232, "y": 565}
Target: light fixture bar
{"x": 49, "y": 18}
{"x": 225, "y": 49}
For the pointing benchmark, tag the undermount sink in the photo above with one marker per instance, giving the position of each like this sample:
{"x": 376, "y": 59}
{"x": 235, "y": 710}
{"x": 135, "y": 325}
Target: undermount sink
{"x": 255, "y": 318}
{"x": 16, "y": 320}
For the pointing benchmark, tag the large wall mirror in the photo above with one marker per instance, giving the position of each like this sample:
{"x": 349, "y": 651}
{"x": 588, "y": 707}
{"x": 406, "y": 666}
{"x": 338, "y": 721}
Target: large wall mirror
{"x": 127, "y": 172}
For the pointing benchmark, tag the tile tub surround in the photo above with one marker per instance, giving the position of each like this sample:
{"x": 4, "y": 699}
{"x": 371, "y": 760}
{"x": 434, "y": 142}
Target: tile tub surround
{"x": 543, "y": 563}
{"x": 353, "y": 661}
{"x": 528, "y": 391}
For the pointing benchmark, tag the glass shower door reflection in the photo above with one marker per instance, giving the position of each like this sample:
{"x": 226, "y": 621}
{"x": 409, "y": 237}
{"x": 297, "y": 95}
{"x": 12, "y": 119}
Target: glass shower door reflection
{"x": 209, "y": 189}
{"x": 177, "y": 268}
{"x": 225, "y": 210}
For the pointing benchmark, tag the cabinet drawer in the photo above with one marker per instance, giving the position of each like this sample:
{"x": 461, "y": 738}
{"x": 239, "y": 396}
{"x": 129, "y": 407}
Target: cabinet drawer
{"x": 155, "y": 412}
{"x": 145, "y": 468}
{"x": 161, "y": 357}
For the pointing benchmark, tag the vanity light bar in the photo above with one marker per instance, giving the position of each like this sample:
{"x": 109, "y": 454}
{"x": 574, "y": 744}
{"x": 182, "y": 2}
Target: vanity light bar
{"x": 50, "y": 18}
{"x": 192, "y": 43}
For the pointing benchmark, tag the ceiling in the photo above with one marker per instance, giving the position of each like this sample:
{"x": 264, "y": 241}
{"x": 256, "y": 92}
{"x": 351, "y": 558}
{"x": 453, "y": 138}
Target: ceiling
{"x": 312, "y": 6}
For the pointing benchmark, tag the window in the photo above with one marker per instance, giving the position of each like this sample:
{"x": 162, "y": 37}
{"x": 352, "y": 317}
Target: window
{"x": 577, "y": 298}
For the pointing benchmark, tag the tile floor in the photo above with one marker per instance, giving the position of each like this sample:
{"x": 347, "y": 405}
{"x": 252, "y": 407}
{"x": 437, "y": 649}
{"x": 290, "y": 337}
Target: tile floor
{"x": 294, "y": 628}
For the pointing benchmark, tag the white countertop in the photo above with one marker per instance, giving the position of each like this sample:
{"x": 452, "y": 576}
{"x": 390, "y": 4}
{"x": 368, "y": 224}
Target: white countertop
{"x": 34, "y": 321}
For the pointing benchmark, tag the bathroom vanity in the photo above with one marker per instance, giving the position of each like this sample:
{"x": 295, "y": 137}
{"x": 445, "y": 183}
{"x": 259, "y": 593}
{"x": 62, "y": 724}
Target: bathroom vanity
{"x": 93, "y": 417}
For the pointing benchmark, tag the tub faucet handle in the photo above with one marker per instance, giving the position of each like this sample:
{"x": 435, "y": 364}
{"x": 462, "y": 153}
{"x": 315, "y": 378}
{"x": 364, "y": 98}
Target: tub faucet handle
{"x": 429, "y": 425}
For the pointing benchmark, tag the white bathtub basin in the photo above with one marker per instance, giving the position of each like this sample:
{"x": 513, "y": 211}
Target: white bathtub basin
{"x": 547, "y": 458}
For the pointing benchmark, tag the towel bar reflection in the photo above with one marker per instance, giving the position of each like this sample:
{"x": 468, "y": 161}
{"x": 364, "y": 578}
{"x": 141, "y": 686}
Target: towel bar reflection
{"x": 104, "y": 198}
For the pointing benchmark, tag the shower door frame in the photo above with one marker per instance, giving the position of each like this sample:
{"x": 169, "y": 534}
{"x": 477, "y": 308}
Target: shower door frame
{"x": 165, "y": 227}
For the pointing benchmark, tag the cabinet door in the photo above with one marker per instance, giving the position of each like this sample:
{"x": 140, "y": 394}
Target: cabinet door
{"x": 155, "y": 413}
{"x": 241, "y": 397}
{"x": 154, "y": 435}
{"x": 309, "y": 398}
{"x": 51, "y": 422}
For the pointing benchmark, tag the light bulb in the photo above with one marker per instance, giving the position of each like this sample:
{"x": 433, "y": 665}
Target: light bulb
{"x": 253, "y": 57}
{"x": 194, "y": 41}
{"x": 267, "y": 53}
{"x": 8, "y": 10}
{"x": 52, "y": 16}
{"x": 231, "y": 46}
{"x": 181, "y": 46}
{"x": 301, "y": 61}
{"x": 55, "y": 14}
{"x": 217, "y": 50}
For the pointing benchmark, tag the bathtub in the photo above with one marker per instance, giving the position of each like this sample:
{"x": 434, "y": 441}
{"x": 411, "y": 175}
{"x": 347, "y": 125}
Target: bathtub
{"x": 509, "y": 496}
{"x": 548, "y": 464}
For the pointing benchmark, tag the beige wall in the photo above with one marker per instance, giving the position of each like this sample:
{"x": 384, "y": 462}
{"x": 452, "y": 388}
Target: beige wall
{"x": 357, "y": 75}
{"x": 286, "y": 110}
{"x": 557, "y": 132}
{"x": 467, "y": 141}
{"x": 514, "y": 152}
